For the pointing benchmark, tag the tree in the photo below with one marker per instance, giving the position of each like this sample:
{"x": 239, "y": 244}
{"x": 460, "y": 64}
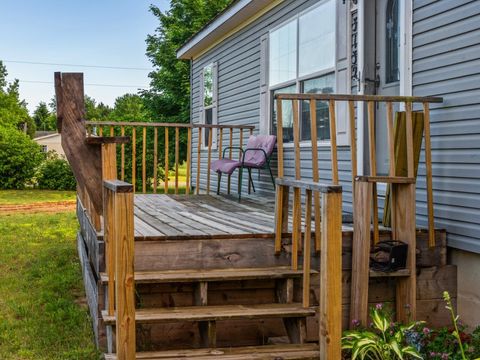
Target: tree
{"x": 43, "y": 118}
{"x": 96, "y": 112}
{"x": 13, "y": 111}
{"x": 168, "y": 97}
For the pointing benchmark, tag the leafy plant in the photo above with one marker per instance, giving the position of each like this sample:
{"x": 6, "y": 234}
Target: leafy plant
{"x": 55, "y": 173}
{"x": 385, "y": 340}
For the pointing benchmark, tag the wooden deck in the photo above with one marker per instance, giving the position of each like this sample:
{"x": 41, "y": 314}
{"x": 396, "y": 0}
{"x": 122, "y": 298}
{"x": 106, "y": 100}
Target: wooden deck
{"x": 175, "y": 217}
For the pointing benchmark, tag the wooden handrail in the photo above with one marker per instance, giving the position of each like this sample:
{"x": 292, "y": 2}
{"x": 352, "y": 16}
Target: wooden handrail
{"x": 372, "y": 101}
{"x": 174, "y": 125}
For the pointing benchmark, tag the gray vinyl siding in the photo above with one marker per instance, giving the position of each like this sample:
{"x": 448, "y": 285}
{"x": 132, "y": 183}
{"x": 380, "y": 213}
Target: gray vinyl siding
{"x": 238, "y": 59}
{"x": 446, "y": 63}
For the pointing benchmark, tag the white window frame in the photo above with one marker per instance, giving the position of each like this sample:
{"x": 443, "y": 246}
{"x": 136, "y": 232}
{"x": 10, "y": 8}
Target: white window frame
{"x": 298, "y": 80}
{"x": 213, "y": 106}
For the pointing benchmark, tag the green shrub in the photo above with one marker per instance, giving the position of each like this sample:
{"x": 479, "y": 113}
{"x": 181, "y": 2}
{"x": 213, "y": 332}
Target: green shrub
{"x": 55, "y": 173}
{"x": 19, "y": 157}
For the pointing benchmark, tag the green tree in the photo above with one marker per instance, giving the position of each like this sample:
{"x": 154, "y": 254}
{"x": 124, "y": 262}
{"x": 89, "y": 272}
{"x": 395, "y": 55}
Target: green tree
{"x": 13, "y": 111}
{"x": 168, "y": 97}
{"x": 96, "y": 112}
{"x": 43, "y": 118}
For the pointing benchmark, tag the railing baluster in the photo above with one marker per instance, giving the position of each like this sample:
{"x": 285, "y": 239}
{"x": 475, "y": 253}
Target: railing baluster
{"x": 199, "y": 151}
{"x": 297, "y": 211}
{"x": 112, "y": 133}
{"x": 306, "y": 248}
{"x": 281, "y": 192}
{"x": 155, "y": 159}
{"x": 100, "y": 131}
{"x": 230, "y": 156}
{"x": 166, "y": 162}
{"x": 333, "y": 141}
{"x": 373, "y": 166}
{"x": 428, "y": 163}
{"x": 240, "y": 157}
{"x": 134, "y": 154}
{"x": 177, "y": 144}
{"x": 220, "y": 143}
{"x": 353, "y": 140}
{"x": 189, "y": 159}
{"x": 209, "y": 157}
{"x": 144, "y": 155}
{"x": 315, "y": 174}
{"x": 409, "y": 135}
{"x": 122, "y": 155}
{"x": 391, "y": 157}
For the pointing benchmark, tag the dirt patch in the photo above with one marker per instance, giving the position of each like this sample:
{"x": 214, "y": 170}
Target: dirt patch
{"x": 57, "y": 206}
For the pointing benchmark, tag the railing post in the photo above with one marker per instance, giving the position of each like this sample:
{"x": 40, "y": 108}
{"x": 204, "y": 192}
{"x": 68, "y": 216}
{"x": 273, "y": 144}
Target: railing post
{"x": 331, "y": 276}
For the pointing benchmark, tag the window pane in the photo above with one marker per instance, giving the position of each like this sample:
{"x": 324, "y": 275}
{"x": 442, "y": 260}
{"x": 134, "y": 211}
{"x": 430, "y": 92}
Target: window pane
{"x": 208, "y": 120}
{"x": 321, "y": 85}
{"x": 287, "y": 113}
{"x": 392, "y": 42}
{"x": 283, "y": 53}
{"x": 317, "y": 39}
{"x": 207, "y": 85}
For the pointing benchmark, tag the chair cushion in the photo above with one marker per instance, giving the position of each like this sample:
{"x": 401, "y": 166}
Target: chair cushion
{"x": 226, "y": 166}
{"x": 257, "y": 158}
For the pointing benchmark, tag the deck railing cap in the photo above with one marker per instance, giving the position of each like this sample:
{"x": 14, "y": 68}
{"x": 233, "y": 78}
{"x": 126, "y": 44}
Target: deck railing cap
{"x": 118, "y": 186}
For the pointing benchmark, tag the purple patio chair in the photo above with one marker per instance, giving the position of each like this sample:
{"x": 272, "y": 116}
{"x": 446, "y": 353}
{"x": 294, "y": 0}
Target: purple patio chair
{"x": 256, "y": 155}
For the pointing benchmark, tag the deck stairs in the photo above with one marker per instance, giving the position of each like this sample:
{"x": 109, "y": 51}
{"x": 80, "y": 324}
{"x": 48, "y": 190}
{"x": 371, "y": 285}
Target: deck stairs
{"x": 207, "y": 316}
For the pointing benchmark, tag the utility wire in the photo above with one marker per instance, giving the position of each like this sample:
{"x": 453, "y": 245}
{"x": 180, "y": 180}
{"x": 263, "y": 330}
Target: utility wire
{"x": 78, "y": 65}
{"x": 105, "y": 85}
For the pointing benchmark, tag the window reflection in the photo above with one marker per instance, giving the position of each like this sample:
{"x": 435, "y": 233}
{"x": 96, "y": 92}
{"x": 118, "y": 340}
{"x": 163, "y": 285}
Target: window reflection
{"x": 392, "y": 47}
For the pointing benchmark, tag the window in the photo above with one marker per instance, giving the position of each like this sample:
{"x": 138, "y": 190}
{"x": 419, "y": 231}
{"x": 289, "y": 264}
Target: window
{"x": 302, "y": 59}
{"x": 209, "y": 101}
{"x": 392, "y": 42}
{"x": 44, "y": 148}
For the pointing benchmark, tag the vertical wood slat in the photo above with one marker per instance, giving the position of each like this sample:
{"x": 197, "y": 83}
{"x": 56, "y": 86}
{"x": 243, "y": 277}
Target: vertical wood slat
{"x": 209, "y": 157}
{"x": 373, "y": 166}
{"x": 220, "y": 143}
{"x": 112, "y": 131}
{"x": 134, "y": 155}
{"x": 155, "y": 159}
{"x": 409, "y": 135}
{"x": 144, "y": 156}
{"x": 240, "y": 156}
{"x": 297, "y": 211}
{"x": 100, "y": 131}
{"x": 122, "y": 156}
{"x": 279, "y": 138}
{"x": 109, "y": 172}
{"x": 177, "y": 155}
{"x": 315, "y": 173}
{"x": 124, "y": 276}
{"x": 333, "y": 141}
{"x": 280, "y": 190}
{"x": 166, "y": 162}
{"x": 330, "y": 332}
{"x": 391, "y": 155}
{"x": 230, "y": 156}
{"x": 306, "y": 249}
{"x": 199, "y": 151}
{"x": 189, "y": 160}
{"x": 353, "y": 139}
{"x": 428, "y": 164}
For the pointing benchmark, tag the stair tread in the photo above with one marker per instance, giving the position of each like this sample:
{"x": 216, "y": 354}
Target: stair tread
{"x": 398, "y": 273}
{"x": 286, "y": 352}
{"x": 169, "y": 276}
{"x": 387, "y": 179}
{"x": 216, "y": 312}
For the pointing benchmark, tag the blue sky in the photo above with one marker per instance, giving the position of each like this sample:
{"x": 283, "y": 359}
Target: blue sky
{"x": 89, "y": 32}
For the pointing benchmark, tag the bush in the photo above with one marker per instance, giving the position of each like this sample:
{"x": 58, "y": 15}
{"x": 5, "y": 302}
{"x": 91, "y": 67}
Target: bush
{"x": 19, "y": 157}
{"x": 55, "y": 173}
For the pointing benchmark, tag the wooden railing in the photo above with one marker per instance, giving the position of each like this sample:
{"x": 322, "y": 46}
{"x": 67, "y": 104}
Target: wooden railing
{"x": 330, "y": 255}
{"x": 177, "y": 141}
{"x": 352, "y": 100}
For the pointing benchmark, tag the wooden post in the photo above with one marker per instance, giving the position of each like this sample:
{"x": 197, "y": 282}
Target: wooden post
{"x": 166, "y": 161}
{"x": 331, "y": 277}
{"x": 315, "y": 174}
{"x": 124, "y": 274}
{"x": 177, "y": 155}
{"x": 428, "y": 165}
{"x": 306, "y": 249}
{"x": 199, "y": 151}
{"x": 134, "y": 155}
{"x": 209, "y": 157}
{"x": 144, "y": 155}
{"x": 122, "y": 155}
{"x": 361, "y": 252}
{"x": 189, "y": 160}
{"x": 155, "y": 160}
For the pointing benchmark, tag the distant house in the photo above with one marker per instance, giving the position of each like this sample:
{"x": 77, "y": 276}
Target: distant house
{"x": 49, "y": 140}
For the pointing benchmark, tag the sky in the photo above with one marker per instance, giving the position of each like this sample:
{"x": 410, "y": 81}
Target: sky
{"x": 105, "y": 33}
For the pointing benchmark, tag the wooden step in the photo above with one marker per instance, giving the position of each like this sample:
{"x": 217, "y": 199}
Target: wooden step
{"x": 398, "y": 273}
{"x": 270, "y": 352}
{"x": 183, "y": 276}
{"x": 213, "y": 313}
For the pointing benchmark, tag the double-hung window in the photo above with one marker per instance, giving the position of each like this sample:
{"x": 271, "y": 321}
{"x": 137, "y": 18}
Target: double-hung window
{"x": 302, "y": 60}
{"x": 208, "y": 102}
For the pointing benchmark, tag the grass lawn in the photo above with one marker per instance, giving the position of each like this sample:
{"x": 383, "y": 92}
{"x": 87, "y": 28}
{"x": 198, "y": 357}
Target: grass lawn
{"x": 17, "y": 197}
{"x": 43, "y": 314}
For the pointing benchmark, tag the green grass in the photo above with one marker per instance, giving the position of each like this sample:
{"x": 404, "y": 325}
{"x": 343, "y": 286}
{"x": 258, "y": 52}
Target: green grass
{"x": 17, "y": 197}
{"x": 42, "y": 306}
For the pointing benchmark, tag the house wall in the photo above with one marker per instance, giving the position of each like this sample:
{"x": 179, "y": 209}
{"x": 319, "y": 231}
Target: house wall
{"x": 238, "y": 59}
{"x": 53, "y": 143}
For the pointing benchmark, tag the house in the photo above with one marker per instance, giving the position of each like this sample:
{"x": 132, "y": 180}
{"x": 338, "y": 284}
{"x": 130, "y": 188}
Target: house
{"x": 50, "y": 141}
{"x": 257, "y": 48}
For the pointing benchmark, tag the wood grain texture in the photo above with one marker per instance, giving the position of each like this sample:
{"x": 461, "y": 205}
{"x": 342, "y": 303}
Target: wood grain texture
{"x": 199, "y": 153}
{"x": 144, "y": 162}
{"x": 315, "y": 172}
{"x": 122, "y": 156}
{"x": 333, "y": 141}
{"x": 209, "y": 158}
{"x": 428, "y": 167}
{"x": 409, "y": 136}
{"x": 167, "y": 153}
{"x": 189, "y": 161}
{"x": 307, "y": 249}
{"x": 134, "y": 158}
{"x": 279, "y": 138}
{"x": 155, "y": 159}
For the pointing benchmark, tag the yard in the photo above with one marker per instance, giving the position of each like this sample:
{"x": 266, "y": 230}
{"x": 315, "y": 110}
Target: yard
{"x": 43, "y": 314}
